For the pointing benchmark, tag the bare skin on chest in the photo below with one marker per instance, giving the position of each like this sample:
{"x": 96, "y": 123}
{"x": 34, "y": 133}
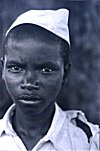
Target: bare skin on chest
{"x": 31, "y": 133}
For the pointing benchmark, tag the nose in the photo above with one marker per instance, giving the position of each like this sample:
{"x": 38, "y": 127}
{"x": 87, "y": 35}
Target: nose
{"x": 30, "y": 81}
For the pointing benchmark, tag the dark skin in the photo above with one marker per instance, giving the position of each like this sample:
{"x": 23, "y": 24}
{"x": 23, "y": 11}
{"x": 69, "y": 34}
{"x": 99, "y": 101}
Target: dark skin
{"x": 33, "y": 75}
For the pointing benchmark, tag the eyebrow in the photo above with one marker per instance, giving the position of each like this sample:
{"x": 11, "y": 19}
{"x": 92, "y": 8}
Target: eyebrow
{"x": 47, "y": 64}
{"x": 14, "y": 62}
{"x": 36, "y": 65}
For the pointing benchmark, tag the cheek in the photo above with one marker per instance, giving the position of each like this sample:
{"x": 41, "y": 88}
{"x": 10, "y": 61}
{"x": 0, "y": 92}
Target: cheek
{"x": 11, "y": 85}
{"x": 53, "y": 85}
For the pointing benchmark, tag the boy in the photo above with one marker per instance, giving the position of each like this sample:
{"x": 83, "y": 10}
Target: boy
{"x": 35, "y": 66}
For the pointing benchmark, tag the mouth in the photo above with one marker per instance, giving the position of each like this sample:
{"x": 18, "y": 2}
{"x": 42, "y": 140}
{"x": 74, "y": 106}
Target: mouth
{"x": 29, "y": 99}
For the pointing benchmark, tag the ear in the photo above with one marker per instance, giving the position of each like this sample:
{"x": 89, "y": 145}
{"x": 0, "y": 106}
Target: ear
{"x": 2, "y": 61}
{"x": 66, "y": 72}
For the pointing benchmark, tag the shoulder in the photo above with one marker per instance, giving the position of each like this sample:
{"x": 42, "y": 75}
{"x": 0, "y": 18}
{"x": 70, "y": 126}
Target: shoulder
{"x": 78, "y": 121}
{"x": 76, "y": 116}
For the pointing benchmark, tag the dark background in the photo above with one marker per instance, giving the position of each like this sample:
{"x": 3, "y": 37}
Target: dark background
{"x": 82, "y": 91}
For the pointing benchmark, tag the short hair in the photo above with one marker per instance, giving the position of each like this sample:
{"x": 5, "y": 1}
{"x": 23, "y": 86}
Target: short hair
{"x": 29, "y": 30}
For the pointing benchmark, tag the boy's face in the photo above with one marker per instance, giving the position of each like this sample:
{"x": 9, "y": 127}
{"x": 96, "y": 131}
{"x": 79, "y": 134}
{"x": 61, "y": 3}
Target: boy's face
{"x": 33, "y": 72}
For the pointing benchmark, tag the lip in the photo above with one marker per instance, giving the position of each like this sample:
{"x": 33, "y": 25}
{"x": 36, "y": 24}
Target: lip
{"x": 30, "y": 99}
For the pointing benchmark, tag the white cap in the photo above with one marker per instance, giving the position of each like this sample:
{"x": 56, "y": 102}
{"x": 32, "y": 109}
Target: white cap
{"x": 55, "y": 21}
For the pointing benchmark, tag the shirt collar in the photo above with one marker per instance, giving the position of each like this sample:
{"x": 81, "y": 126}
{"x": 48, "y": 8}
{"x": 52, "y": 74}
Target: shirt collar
{"x": 55, "y": 133}
{"x": 5, "y": 123}
{"x": 58, "y": 133}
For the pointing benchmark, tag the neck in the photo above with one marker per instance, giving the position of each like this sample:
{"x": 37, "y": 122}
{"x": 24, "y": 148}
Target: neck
{"x": 34, "y": 125}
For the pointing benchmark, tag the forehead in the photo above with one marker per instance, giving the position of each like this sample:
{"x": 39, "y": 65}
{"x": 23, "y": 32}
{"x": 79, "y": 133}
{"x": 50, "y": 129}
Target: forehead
{"x": 32, "y": 31}
{"x": 33, "y": 46}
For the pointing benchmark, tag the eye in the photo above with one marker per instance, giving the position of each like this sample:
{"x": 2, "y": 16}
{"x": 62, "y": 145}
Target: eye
{"x": 47, "y": 70}
{"x": 15, "y": 69}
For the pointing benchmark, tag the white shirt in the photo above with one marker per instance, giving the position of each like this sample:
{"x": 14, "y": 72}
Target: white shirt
{"x": 63, "y": 134}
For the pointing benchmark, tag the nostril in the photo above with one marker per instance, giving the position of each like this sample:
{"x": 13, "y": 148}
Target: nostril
{"x": 30, "y": 86}
{"x": 22, "y": 86}
{"x": 37, "y": 84}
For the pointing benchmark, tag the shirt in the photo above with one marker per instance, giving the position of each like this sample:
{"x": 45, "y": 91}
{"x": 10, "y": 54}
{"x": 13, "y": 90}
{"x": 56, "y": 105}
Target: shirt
{"x": 63, "y": 135}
